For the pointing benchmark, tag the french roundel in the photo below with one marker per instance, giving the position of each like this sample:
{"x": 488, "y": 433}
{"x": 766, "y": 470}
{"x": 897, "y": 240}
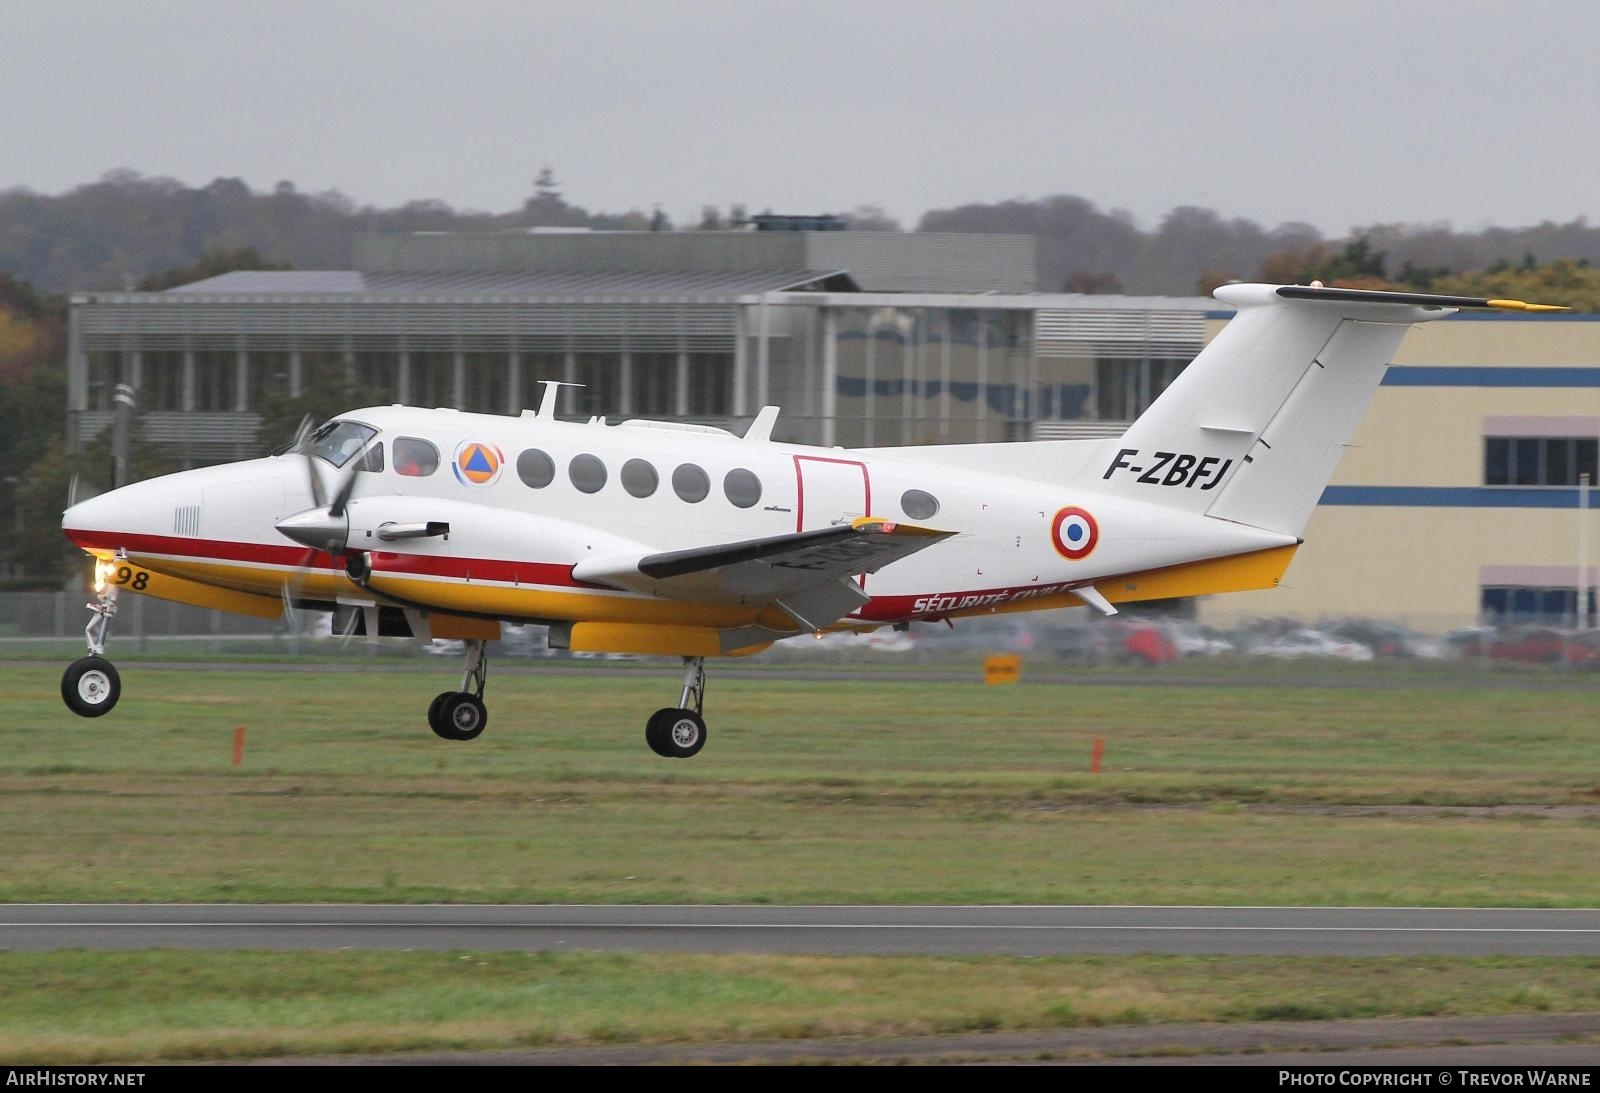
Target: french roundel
{"x": 477, "y": 463}
{"x": 1074, "y": 533}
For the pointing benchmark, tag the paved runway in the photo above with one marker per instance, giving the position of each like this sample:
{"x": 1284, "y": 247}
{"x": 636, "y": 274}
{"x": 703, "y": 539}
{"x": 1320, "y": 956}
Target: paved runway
{"x": 1301, "y": 931}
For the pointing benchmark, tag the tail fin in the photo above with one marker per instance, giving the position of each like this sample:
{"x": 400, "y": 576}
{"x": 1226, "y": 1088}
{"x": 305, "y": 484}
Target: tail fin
{"x": 1251, "y": 431}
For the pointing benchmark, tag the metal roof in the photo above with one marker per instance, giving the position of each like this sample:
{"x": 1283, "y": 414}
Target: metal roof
{"x": 545, "y": 284}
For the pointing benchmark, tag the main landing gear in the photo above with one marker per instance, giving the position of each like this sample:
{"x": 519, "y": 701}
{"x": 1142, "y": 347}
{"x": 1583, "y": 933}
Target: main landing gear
{"x": 680, "y": 733}
{"x": 461, "y": 715}
{"x": 674, "y": 733}
{"x": 90, "y": 686}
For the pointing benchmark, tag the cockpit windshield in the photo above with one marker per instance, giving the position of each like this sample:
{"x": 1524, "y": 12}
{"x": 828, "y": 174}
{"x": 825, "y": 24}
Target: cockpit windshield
{"x": 338, "y": 441}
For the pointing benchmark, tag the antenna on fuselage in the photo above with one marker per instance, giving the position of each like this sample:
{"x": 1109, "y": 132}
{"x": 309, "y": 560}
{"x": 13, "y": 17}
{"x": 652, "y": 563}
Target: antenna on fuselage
{"x": 547, "y": 398}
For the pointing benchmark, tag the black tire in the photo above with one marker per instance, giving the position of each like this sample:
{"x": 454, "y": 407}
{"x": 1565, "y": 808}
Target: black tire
{"x": 656, "y": 729}
{"x": 675, "y": 734}
{"x": 90, "y": 686}
{"x": 433, "y": 714}
{"x": 461, "y": 716}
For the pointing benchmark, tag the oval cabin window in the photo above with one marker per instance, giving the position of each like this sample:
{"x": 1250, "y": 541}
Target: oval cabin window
{"x": 639, "y": 478}
{"x": 414, "y": 457}
{"x": 690, "y": 483}
{"x": 536, "y": 469}
{"x": 742, "y": 487}
{"x": 588, "y": 474}
{"x": 919, "y": 504}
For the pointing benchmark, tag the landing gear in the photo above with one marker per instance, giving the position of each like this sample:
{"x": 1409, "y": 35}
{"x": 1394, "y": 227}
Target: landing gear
{"x": 461, "y": 715}
{"x": 680, "y": 733}
{"x": 90, "y": 686}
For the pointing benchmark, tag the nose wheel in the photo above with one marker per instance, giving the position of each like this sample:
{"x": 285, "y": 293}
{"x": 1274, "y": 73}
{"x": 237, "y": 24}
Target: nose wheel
{"x": 461, "y": 715}
{"x": 90, "y": 686}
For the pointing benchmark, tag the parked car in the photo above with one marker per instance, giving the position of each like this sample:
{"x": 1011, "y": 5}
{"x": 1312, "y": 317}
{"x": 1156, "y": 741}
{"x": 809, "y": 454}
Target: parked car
{"x": 1528, "y": 645}
{"x": 1312, "y": 643}
{"x": 1149, "y": 645}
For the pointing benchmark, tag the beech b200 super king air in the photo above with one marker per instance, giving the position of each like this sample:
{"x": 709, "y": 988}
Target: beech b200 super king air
{"x": 655, "y": 537}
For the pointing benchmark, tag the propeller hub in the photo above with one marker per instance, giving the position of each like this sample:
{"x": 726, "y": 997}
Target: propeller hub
{"x": 318, "y": 529}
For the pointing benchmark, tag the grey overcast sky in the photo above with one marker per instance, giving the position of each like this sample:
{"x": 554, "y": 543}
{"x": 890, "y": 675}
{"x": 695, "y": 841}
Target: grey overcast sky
{"x": 1335, "y": 113}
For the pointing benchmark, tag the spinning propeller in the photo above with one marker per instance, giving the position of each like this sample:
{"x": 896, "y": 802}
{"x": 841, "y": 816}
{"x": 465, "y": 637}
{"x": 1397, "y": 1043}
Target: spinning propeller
{"x": 323, "y": 528}
{"x": 326, "y": 525}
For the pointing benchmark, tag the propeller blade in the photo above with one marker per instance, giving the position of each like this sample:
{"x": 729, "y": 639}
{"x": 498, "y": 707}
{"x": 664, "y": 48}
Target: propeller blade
{"x": 319, "y": 496}
{"x": 350, "y": 627}
{"x": 346, "y": 488}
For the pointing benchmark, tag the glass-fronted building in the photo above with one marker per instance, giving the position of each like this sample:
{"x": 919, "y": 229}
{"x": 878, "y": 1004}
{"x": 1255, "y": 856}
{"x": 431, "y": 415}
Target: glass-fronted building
{"x": 861, "y": 338}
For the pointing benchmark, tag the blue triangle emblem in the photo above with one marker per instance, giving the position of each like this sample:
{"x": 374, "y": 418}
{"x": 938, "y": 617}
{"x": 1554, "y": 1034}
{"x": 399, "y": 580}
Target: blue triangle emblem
{"x": 479, "y": 462}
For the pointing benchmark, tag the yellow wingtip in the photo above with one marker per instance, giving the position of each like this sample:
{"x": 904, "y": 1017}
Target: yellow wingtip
{"x": 1518, "y": 305}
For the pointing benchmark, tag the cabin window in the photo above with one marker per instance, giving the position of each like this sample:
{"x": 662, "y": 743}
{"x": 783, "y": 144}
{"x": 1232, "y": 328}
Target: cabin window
{"x": 742, "y": 487}
{"x": 690, "y": 483}
{"x": 414, "y": 458}
{"x": 639, "y": 478}
{"x": 588, "y": 474}
{"x": 536, "y": 469}
{"x": 919, "y": 504}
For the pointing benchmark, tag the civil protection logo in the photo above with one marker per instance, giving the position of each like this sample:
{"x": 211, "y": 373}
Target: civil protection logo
{"x": 478, "y": 463}
{"x": 1074, "y": 533}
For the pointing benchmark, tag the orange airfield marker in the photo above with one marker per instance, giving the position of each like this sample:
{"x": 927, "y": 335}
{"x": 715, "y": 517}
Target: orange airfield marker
{"x": 1094, "y": 756}
{"x": 238, "y": 745}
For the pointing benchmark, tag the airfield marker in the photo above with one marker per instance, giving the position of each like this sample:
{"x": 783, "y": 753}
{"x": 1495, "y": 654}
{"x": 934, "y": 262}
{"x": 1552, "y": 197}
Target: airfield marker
{"x": 238, "y": 745}
{"x": 1094, "y": 756}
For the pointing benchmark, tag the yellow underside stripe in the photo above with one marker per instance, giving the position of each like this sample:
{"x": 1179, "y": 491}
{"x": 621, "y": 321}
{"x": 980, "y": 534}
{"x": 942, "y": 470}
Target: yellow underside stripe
{"x": 1239, "y": 573}
{"x": 254, "y": 591}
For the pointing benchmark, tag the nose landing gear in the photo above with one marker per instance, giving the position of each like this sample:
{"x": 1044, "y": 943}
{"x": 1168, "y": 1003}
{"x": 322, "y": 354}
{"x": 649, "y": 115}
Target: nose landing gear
{"x": 90, "y": 686}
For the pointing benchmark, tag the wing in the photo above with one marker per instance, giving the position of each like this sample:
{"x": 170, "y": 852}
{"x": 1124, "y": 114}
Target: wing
{"x": 806, "y": 574}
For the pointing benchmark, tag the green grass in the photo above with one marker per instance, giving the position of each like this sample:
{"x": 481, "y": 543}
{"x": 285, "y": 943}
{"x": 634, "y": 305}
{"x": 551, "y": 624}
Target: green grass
{"x": 831, "y": 792}
{"x": 74, "y": 1007}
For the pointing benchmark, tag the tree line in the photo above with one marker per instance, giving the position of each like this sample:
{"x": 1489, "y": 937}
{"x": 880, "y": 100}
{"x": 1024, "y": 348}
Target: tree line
{"x": 125, "y": 228}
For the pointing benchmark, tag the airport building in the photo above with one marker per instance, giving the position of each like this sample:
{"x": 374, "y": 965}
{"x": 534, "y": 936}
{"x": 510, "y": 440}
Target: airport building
{"x": 1459, "y": 496}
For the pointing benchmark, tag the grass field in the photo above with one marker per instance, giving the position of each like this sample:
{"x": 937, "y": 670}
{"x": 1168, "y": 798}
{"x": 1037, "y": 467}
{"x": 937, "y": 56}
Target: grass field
{"x": 807, "y": 792}
{"x": 82, "y": 1007}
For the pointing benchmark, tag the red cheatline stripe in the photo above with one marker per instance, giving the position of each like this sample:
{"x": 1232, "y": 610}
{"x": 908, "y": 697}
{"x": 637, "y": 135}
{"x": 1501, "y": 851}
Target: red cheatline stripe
{"x": 386, "y": 562}
{"x": 220, "y": 550}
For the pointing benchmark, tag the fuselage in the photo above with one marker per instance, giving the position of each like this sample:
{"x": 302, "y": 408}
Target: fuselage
{"x": 526, "y": 499}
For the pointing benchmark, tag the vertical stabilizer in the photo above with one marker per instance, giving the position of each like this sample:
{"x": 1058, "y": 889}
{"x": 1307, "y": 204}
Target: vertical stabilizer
{"x": 1254, "y": 427}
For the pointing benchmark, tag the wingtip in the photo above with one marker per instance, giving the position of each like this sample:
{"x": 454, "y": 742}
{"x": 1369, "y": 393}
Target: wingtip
{"x": 1519, "y": 305}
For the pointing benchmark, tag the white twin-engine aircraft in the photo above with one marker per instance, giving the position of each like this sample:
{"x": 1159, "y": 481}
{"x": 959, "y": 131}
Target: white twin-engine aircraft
{"x": 655, "y": 537}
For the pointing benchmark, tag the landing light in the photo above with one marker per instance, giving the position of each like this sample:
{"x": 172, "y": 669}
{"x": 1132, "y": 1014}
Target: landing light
{"x": 102, "y": 573}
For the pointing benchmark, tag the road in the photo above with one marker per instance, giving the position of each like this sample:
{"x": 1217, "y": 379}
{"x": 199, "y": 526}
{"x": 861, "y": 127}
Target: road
{"x": 1034, "y": 931}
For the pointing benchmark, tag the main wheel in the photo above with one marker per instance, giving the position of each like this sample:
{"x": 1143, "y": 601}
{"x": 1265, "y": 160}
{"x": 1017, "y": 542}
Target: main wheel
{"x": 461, "y": 716}
{"x": 675, "y": 734}
{"x": 433, "y": 714}
{"x": 90, "y": 686}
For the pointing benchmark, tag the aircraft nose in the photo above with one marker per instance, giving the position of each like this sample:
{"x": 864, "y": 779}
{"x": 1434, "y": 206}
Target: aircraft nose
{"x": 91, "y": 514}
{"x": 318, "y": 529}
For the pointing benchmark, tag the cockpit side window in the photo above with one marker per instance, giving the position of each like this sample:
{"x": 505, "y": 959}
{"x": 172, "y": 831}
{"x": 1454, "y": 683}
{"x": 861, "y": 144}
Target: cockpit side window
{"x": 337, "y": 441}
{"x": 414, "y": 458}
{"x": 371, "y": 460}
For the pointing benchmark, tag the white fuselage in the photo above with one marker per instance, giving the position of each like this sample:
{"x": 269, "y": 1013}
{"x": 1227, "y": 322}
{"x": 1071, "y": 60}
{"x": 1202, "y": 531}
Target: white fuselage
{"x": 1019, "y": 541}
